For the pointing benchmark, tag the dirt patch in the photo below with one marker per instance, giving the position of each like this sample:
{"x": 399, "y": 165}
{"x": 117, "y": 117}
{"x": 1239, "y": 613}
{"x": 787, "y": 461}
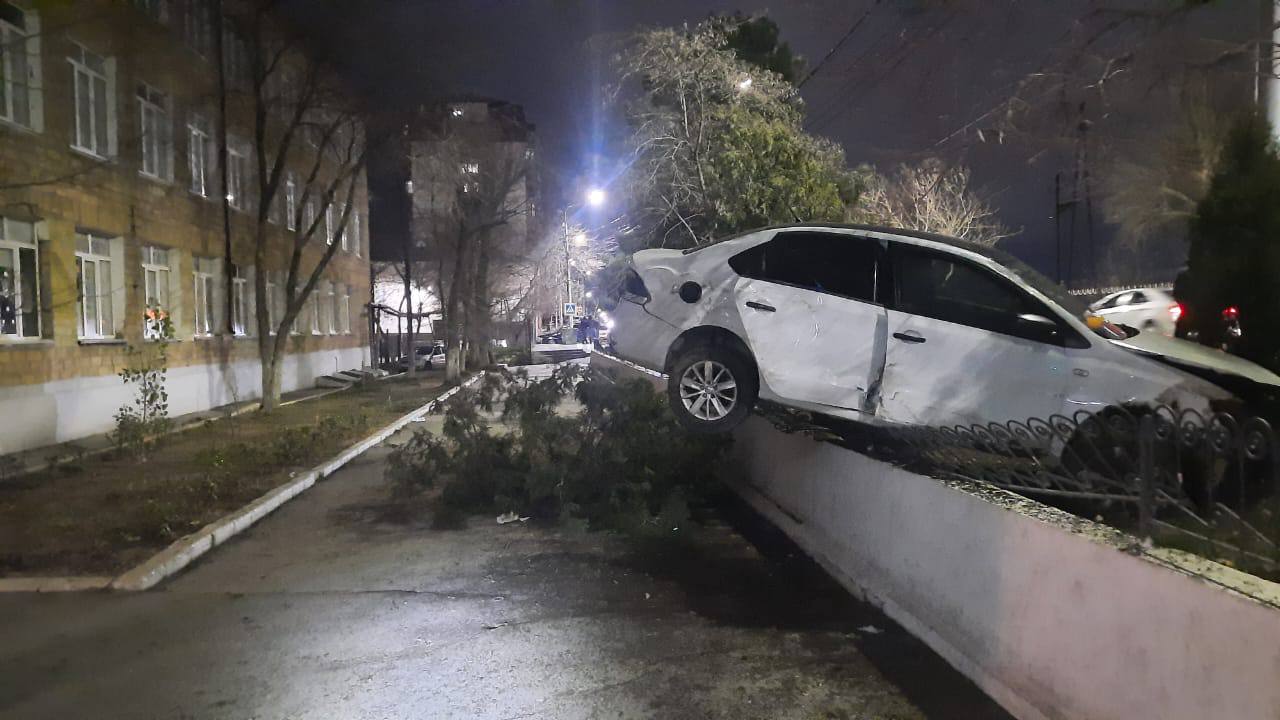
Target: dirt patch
{"x": 102, "y": 515}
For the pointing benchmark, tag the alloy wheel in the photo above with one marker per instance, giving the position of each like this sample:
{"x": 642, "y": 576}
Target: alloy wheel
{"x": 708, "y": 390}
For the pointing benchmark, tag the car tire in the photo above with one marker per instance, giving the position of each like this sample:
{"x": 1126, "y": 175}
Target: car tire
{"x": 698, "y": 392}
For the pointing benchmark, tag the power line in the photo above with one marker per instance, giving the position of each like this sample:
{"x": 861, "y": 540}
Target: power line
{"x": 839, "y": 43}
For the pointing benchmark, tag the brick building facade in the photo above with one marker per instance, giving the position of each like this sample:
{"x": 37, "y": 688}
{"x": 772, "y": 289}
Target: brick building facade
{"x": 111, "y": 202}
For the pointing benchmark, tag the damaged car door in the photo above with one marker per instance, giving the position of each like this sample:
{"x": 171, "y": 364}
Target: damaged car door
{"x": 967, "y": 345}
{"x": 807, "y": 300}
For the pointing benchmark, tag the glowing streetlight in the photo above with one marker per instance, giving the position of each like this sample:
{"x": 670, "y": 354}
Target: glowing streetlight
{"x": 595, "y": 197}
{"x": 580, "y": 239}
{"x": 745, "y": 83}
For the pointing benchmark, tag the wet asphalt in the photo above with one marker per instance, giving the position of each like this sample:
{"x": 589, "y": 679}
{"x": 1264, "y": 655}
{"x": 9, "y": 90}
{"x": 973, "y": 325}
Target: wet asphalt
{"x": 346, "y": 603}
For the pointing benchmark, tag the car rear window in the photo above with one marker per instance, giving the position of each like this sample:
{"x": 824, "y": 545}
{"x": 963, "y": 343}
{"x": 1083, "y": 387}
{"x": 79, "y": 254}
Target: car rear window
{"x": 835, "y": 263}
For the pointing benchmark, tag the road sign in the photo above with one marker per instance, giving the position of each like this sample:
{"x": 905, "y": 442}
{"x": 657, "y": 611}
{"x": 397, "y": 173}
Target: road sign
{"x": 570, "y": 309}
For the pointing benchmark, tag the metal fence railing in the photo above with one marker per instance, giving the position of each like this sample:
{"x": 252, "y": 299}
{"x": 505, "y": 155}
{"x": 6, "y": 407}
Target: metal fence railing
{"x": 1206, "y": 483}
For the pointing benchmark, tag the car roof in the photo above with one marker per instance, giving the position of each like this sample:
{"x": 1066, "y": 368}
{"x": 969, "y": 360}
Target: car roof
{"x": 983, "y": 250}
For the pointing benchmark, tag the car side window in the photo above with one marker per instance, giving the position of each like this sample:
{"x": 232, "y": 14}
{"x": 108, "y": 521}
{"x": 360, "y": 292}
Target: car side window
{"x": 1137, "y": 298}
{"x": 944, "y": 287}
{"x": 838, "y": 264}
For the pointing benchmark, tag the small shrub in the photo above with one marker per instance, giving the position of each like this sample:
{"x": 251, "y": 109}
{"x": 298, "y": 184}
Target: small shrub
{"x": 138, "y": 424}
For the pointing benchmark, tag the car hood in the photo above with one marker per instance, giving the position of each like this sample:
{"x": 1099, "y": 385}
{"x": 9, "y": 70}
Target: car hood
{"x": 1195, "y": 355}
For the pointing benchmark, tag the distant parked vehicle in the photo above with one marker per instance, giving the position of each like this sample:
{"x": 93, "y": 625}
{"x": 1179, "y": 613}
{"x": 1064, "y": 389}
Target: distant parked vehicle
{"x": 1146, "y": 309}
{"x": 427, "y": 358}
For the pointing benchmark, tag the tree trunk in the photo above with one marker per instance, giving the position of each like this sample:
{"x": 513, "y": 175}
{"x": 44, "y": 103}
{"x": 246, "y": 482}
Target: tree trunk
{"x": 408, "y": 298}
{"x": 453, "y": 328}
{"x": 478, "y": 320}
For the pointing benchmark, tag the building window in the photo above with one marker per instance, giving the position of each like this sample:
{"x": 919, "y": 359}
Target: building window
{"x": 309, "y": 216}
{"x": 155, "y": 277}
{"x": 330, "y": 305}
{"x": 235, "y": 54}
{"x": 344, "y": 311}
{"x": 198, "y": 151}
{"x": 470, "y": 176}
{"x": 314, "y": 308}
{"x": 206, "y": 296}
{"x": 94, "y": 108}
{"x": 328, "y": 224}
{"x": 19, "y": 280}
{"x": 237, "y": 172}
{"x": 19, "y": 68}
{"x": 240, "y": 304}
{"x": 197, "y": 26}
{"x": 291, "y": 202}
{"x": 273, "y": 307}
{"x": 96, "y": 283}
{"x": 157, "y": 133}
{"x": 356, "y": 239}
{"x": 157, "y": 10}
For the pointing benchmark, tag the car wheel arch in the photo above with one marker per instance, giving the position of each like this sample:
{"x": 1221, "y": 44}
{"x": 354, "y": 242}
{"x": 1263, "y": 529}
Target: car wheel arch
{"x": 711, "y": 335}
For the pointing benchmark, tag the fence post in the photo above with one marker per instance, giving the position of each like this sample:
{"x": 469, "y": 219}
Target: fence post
{"x": 1146, "y": 475}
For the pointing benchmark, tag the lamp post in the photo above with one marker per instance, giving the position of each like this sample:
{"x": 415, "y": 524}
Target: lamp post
{"x": 595, "y": 198}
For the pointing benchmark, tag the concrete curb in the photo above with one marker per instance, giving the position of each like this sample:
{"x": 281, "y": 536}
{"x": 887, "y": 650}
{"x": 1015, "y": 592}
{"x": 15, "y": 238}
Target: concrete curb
{"x": 182, "y": 552}
{"x": 187, "y": 549}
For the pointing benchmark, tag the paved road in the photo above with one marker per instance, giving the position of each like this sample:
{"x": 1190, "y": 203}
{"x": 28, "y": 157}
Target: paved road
{"x": 346, "y": 605}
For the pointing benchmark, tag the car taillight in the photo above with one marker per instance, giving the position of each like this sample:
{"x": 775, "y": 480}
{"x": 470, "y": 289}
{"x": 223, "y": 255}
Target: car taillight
{"x": 1231, "y": 313}
{"x": 1175, "y": 311}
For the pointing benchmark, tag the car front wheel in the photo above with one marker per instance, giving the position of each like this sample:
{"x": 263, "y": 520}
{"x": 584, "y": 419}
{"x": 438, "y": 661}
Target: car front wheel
{"x": 711, "y": 390}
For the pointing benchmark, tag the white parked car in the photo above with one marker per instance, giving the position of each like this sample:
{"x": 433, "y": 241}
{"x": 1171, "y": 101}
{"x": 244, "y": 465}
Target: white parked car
{"x": 1148, "y": 309}
{"x": 428, "y": 357}
{"x": 890, "y": 326}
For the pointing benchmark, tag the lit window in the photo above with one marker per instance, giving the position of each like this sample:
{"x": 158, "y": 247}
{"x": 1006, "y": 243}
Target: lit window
{"x": 95, "y": 312}
{"x": 157, "y": 133}
{"x": 328, "y": 224}
{"x": 155, "y": 276}
{"x": 94, "y": 106}
{"x": 19, "y": 280}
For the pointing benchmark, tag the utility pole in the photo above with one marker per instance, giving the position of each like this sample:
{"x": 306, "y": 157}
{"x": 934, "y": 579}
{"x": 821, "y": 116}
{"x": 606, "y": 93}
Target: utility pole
{"x": 568, "y": 277}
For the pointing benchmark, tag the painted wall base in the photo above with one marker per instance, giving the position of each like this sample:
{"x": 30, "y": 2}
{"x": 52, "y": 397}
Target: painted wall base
{"x": 65, "y": 410}
{"x": 1047, "y": 613}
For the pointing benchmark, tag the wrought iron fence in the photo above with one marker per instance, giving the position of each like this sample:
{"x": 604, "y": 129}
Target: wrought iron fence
{"x": 1207, "y": 483}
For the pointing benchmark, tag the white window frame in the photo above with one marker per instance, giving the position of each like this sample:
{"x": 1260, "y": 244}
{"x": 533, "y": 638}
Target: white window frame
{"x": 99, "y": 82}
{"x": 291, "y": 201}
{"x": 315, "y": 311}
{"x": 355, "y": 232}
{"x": 237, "y": 172}
{"x": 21, "y": 44}
{"x": 330, "y": 304}
{"x": 344, "y": 310}
{"x": 197, "y": 26}
{"x": 205, "y": 313}
{"x": 240, "y": 305}
{"x": 157, "y": 274}
{"x": 97, "y": 256}
{"x": 273, "y": 305}
{"x": 8, "y": 242}
{"x": 199, "y": 149}
{"x": 328, "y": 224}
{"x": 155, "y": 136}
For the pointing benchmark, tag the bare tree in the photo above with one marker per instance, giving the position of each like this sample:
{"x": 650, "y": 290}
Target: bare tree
{"x": 478, "y": 221}
{"x": 931, "y": 196}
{"x": 302, "y": 116}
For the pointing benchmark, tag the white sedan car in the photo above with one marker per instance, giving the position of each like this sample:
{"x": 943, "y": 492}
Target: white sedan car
{"x": 890, "y": 326}
{"x": 1148, "y": 309}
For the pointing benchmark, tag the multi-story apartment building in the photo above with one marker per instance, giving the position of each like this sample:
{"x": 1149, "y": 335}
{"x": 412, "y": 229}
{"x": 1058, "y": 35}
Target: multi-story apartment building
{"x": 111, "y": 202}
{"x": 450, "y": 152}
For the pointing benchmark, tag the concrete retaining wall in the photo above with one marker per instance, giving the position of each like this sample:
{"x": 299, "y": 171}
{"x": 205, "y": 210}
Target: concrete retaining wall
{"x": 1047, "y": 613}
{"x": 65, "y": 410}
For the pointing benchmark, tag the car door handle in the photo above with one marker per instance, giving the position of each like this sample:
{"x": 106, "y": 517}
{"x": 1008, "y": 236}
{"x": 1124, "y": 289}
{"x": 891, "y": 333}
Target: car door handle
{"x": 910, "y": 336}
{"x": 761, "y": 306}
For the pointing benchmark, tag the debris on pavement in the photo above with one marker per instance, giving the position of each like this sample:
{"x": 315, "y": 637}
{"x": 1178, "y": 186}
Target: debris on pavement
{"x": 511, "y": 517}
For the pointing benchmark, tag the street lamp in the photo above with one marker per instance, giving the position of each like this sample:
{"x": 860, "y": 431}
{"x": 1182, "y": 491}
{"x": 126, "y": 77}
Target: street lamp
{"x": 595, "y": 197}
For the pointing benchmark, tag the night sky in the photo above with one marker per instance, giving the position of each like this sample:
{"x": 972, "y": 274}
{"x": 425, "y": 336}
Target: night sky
{"x": 910, "y": 82}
